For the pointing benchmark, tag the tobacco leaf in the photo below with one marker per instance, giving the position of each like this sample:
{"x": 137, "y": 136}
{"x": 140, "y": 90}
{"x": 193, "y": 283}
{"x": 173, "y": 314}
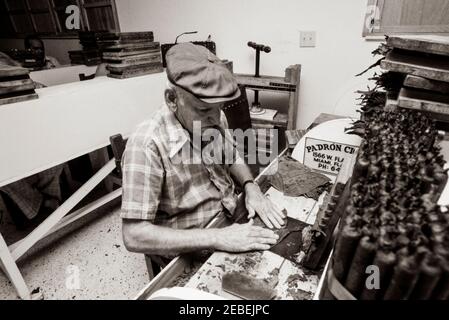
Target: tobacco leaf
{"x": 295, "y": 179}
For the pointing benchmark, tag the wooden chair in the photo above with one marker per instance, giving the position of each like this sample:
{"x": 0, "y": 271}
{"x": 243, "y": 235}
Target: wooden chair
{"x": 238, "y": 117}
{"x": 237, "y": 112}
{"x": 118, "y": 145}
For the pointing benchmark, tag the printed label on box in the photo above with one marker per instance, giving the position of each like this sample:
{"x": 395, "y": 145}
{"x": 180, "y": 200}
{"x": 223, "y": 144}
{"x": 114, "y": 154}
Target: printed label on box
{"x": 327, "y": 156}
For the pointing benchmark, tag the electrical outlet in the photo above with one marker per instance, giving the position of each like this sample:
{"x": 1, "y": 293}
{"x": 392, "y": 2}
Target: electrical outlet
{"x": 307, "y": 39}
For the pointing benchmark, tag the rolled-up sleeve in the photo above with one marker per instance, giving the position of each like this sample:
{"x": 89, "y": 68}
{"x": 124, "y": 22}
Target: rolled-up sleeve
{"x": 143, "y": 177}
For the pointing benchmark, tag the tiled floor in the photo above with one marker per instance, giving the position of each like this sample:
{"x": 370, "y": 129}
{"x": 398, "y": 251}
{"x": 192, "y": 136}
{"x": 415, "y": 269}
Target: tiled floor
{"x": 96, "y": 253}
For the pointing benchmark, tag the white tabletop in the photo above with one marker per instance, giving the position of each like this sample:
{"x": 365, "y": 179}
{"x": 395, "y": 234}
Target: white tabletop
{"x": 72, "y": 119}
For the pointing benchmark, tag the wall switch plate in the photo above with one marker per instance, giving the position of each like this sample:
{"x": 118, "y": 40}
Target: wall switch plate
{"x": 307, "y": 39}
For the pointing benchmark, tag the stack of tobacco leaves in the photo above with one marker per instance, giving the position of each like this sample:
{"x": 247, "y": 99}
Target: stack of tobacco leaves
{"x": 424, "y": 63}
{"x": 91, "y": 53}
{"x": 131, "y": 54}
{"x": 290, "y": 241}
{"x": 295, "y": 179}
{"x": 15, "y": 85}
{"x": 392, "y": 221}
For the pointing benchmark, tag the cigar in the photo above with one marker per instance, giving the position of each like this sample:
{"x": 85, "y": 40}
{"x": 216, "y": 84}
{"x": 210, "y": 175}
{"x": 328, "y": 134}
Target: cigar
{"x": 385, "y": 261}
{"x": 403, "y": 280}
{"x": 363, "y": 257}
{"x": 330, "y": 208}
{"x": 427, "y": 281}
{"x": 334, "y": 199}
{"x": 324, "y": 221}
{"x": 441, "y": 180}
{"x": 339, "y": 187}
{"x": 344, "y": 251}
{"x": 441, "y": 291}
{"x": 328, "y": 214}
{"x": 360, "y": 169}
{"x": 322, "y": 225}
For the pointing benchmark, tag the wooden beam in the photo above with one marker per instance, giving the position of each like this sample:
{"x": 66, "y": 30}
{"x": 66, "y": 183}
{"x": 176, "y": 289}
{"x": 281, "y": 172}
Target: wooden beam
{"x": 56, "y": 216}
{"x": 76, "y": 215}
{"x": 294, "y": 98}
{"x": 98, "y": 159}
{"x": 426, "y": 84}
{"x": 435, "y": 105}
{"x": 435, "y": 68}
{"x": 424, "y": 43}
{"x": 423, "y": 101}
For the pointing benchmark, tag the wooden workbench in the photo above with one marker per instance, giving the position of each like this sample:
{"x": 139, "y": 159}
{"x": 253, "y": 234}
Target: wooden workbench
{"x": 68, "y": 121}
{"x": 294, "y": 282}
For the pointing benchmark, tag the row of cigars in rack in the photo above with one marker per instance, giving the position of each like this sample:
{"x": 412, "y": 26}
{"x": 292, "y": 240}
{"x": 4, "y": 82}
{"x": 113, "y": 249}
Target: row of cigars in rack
{"x": 391, "y": 227}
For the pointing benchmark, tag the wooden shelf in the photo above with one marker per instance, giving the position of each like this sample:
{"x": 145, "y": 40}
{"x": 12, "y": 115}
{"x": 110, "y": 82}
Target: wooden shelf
{"x": 426, "y": 84}
{"x": 423, "y": 43}
{"x": 434, "y": 68}
{"x": 434, "y": 104}
{"x": 265, "y": 83}
{"x": 288, "y": 85}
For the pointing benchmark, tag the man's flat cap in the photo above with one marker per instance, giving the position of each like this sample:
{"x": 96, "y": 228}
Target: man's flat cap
{"x": 198, "y": 71}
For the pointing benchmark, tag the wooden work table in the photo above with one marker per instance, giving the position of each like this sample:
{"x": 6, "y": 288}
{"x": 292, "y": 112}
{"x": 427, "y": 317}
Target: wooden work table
{"x": 293, "y": 281}
{"x": 68, "y": 121}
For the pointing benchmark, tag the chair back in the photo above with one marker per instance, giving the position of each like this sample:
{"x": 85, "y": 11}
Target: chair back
{"x": 118, "y": 145}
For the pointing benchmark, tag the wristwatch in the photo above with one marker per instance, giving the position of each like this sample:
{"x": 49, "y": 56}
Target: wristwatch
{"x": 248, "y": 181}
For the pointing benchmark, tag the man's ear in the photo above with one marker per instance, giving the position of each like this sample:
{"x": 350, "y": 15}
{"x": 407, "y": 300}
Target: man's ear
{"x": 171, "y": 99}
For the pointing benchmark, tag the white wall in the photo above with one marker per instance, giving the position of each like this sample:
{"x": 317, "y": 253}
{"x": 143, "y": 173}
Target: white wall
{"x": 328, "y": 81}
{"x": 72, "y": 119}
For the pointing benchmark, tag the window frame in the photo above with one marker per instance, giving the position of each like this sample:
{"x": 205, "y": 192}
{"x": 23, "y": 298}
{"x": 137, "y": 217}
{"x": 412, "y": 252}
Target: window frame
{"x": 53, "y": 11}
{"x": 369, "y": 33}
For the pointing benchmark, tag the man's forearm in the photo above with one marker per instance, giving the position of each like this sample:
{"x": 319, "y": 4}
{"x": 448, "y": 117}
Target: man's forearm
{"x": 241, "y": 173}
{"x": 147, "y": 238}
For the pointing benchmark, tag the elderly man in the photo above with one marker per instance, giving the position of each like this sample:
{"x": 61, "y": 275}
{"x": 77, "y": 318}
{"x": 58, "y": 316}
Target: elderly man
{"x": 167, "y": 203}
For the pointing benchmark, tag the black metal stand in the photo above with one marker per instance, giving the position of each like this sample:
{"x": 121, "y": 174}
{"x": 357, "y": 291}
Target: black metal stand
{"x": 256, "y": 108}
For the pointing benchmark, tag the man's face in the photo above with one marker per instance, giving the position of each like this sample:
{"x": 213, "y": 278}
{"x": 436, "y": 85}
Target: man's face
{"x": 37, "y": 47}
{"x": 35, "y": 44}
{"x": 190, "y": 109}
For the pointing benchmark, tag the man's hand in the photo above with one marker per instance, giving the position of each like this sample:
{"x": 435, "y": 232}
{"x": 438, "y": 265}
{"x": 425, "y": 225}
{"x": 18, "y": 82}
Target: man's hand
{"x": 244, "y": 237}
{"x": 257, "y": 202}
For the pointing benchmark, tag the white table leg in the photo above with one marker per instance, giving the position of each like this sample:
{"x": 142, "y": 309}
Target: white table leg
{"x": 12, "y": 271}
{"x": 59, "y": 213}
{"x": 9, "y": 256}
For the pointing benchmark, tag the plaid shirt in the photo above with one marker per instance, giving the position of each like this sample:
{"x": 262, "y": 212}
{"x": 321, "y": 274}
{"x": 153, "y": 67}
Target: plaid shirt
{"x": 167, "y": 192}
{"x": 28, "y": 194}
